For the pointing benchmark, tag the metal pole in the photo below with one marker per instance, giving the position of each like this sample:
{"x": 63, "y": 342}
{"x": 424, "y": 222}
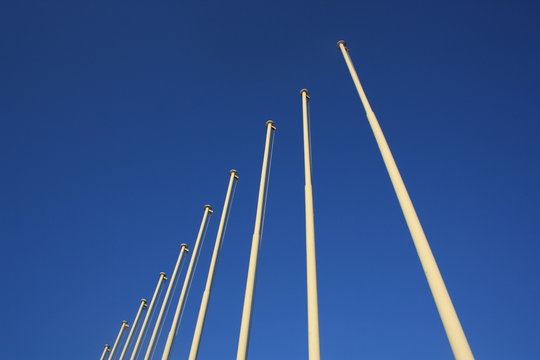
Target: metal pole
{"x": 151, "y": 344}
{"x": 454, "y": 331}
{"x": 311, "y": 263}
{"x": 106, "y": 349}
{"x": 187, "y": 280}
{"x": 133, "y": 327}
{"x": 162, "y": 277}
{"x": 122, "y": 327}
{"x": 245, "y": 326}
{"x": 208, "y": 288}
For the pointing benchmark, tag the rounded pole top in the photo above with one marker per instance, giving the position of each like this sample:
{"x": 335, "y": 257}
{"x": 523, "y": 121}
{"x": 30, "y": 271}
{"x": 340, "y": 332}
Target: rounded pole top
{"x": 124, "y": 322}
{"x": 183, "y": 246}
{"x": 143, "y": 301}
{"x": 341, "y": 42}
{"x": 162, "y": 274}
{"x": 107, "y": 345}
{"x": 304, "y": 91}
{"x": 233, "y": 171}
{"x": 271, "y": 124}
{"x": 208, "y": 207}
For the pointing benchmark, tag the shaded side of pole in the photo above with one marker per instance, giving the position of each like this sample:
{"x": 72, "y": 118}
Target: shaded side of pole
{"x": 106, "y": 349}
{"x": 454, "y": 331}
{"x": 243, "y": 339}
{"x": 311, "y": 263}
{"x": 153, "y": 338}
{"x": 162, "y": 278}
{"x": 142, "y": 306}
{"x": 187, "y": 281}
{"x": 210, "y": 278}
{"x": 118, "y": 337}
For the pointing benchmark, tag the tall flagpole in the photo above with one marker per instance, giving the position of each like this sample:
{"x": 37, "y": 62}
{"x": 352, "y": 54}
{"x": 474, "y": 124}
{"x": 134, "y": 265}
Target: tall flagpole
{"x": 151, "y": 344}
{"x": 106, "y": 349}
{"x": 133, "y": 327}
{"x": 162, "y": 278}
{"x": 454, "y": 331}
{"x": 208, "y": 288}
{"x": 187, "y": 281}
{"x": 311, "y": 264}
{"x": 243, "y": 340}
{"x": 118, "y": 337}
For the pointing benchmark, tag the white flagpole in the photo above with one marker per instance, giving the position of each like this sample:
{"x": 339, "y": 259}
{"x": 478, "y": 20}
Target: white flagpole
{"x": 133, "y": 327}
{"x": 187, "y": 280}
{"x": 122, "y": 327}
{"x": 208, "y": 288}
{"x": 454, "y": 331}
{"x": 106, "y": 349}
{"x": 162, "y": 277}
{"x": 243, "y": 340}
{"x": 311, "y": 263}
{"x": 151, "y": 344}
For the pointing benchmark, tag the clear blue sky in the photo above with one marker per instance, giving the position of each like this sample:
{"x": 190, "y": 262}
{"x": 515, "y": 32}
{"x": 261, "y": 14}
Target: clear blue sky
{"x": 120, "y": 120}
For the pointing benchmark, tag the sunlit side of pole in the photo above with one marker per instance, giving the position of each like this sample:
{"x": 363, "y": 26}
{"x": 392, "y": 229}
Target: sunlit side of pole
{"x": 243, "y": 340}
{"x": 106, "y": 349}
{"x": 176, "y": 320}
{"x": 311, "y": 263}
{"x": 133, "y": 327}
{"x": 208, "y": 288}
{"x": 454, "y": 331}
{"x": 118, "y": 337}
{"x": 151, "y": 344}
{"x": 162, "y": 278}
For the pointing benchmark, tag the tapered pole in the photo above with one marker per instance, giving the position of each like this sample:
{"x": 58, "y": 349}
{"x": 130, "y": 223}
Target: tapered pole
{"x": 187, "y": 281}
{"x": 151, "y": 344}
{"x": 243, "y": 340}
{"x": 162, "y": 278}
{"x": 118, "y": 337}
{"x": 106, "y": 349}
{"x": 454, "y": 331}
{"x": 142, "y": 306}
{"x": 208, "y": 288}
{"x": 311, "y": 263}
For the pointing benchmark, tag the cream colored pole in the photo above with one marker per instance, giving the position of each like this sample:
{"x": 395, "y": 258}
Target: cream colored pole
{"x": 243, "y": 340}
{"x": 454, "y": 331}
{"x": 311, "y": 263}
{"x": 162, "y": 278}
{"x": 187, "y": 280}
{"x": 208, "y": 288}
{"x": 151, "y": 344}
{"x": 106, "y": 349}
{"x": 122, "y": 327}
{"x": 133, "y": 327}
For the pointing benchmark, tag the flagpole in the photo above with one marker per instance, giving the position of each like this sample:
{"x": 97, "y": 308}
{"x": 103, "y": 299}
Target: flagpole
{"x": 187, "y": 281}
{"x": 243, "y": 340}
{"x": 151, "y": 344}
{"x": 162, "y": 278}
{"x": 106, "y": 349}
{"x": 133, "y": 327}
{"x": 208, "y": 288}
{"x": 122, "y": 327}
{"x": 311, "y": 263}
{"x": 454, "y": 331}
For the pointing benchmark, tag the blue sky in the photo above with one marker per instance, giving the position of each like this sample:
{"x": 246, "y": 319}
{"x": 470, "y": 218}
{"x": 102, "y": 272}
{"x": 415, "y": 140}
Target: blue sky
{"x": 120, "y": 120}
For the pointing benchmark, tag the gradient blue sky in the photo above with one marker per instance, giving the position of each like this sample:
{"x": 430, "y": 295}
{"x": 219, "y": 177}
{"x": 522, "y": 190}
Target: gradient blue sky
{"x": 121, "y": 119}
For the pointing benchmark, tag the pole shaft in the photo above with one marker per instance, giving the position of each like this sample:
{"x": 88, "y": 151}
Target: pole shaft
{"x": 311, "y": 263}
{"x": 148, "y": 316}
{"x": 209, "y": 280}
{"x": 151, "y": 344}
{"x": 454, "y": 331}
{"x": 243, "y": 340}
{"x": 181, "y": 300}
{"x": 118, "y": 337}
{"x": 133, "y": 327}
{"x": 106, "y": 349}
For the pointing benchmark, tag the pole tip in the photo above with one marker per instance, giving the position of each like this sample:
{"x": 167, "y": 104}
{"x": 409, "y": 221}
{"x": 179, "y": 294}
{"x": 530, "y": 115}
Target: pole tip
{"x": 183, "y": 246}
{"x": 304, "y": 91}
{"x": 162, "y": 274}
{"x": 209, "y": 208}
{"x": 143, "y": 301}
{"x": 271, "y": 123}
{"x": 125, "y": 322}
{"x": 107, "y": 346}
{"x": 342, "y": 42}
{"x": 234, "y": 173}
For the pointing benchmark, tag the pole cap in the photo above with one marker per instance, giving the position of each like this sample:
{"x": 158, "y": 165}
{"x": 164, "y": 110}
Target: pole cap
{"x": 342, "y": 42}
{"x": 235, "y": 173}
{"x": 107, "y": 346}
{"x": 144, "y": 301}
{"x": 209, "y": 208}
{"x": 271, "y": 123}
{"x": 184, "y": 246}
{"x": 304, "y": 91}
{"x": 164, "y": 275}
{"x": 125, "y": 323}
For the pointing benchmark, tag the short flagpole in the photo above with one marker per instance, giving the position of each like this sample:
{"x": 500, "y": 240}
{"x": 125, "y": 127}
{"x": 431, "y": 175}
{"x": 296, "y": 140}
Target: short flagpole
{"x": 118, "y": 337}
{"x": 162, "y": 277}
{"x": 187, "y": 280}
{"x": 208, "y": 288}
{"x": 243, "y": 340}
{"x": 106, "y": 349}
{"x": 454, "y": 331}
{"x": 133, "y": 327}
{"x": 311, "y": 264}
{"x": 151, "y": 344}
